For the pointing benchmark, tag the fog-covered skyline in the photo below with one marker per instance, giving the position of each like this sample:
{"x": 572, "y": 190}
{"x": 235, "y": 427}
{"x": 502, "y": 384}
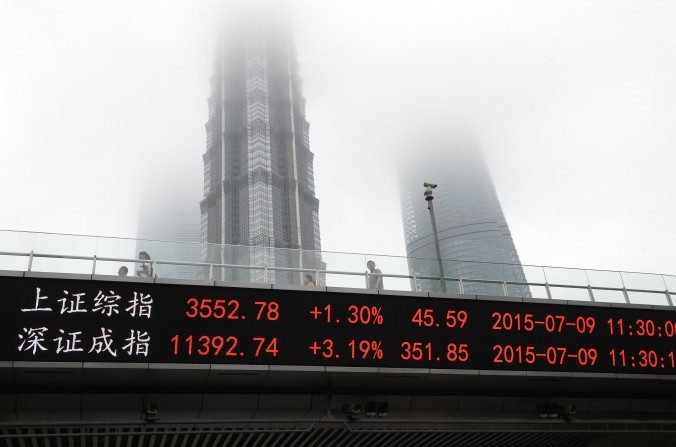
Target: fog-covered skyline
{"x": 572, "y": 102}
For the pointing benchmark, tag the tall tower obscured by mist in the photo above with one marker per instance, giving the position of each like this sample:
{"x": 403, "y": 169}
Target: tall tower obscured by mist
{"x": 258, "y": 167}
{"x": 473, "y": 234}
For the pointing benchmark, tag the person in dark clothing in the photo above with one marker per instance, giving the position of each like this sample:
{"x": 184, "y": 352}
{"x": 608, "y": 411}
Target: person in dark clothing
{"x": 308, "y": 280}
{"x": 146, "y": 270}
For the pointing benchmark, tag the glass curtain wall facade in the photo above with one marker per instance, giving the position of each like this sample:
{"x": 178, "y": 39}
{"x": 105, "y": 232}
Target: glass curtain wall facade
{"x": 473, "y": 234}
{"x": 258, "y": 167}
{"x": 169, "y": 229}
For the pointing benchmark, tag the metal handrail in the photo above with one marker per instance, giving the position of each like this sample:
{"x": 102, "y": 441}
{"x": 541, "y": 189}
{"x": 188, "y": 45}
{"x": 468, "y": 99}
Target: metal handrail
{"x": 414, "y": 278}
{"x": 212, "y": 244}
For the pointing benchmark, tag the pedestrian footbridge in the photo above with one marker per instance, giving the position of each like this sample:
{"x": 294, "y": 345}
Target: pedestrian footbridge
{"x": 237, "y": 355}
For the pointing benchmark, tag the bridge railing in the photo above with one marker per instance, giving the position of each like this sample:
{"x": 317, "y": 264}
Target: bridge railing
{"x": 65, "y": 253}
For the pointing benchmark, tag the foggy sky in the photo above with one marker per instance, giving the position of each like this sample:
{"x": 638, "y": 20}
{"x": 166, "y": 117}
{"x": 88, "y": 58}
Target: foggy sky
{"x": 572, "y": 103}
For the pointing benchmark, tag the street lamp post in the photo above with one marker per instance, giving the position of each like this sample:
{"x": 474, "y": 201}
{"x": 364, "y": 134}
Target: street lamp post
{"x": 429, "y": 197}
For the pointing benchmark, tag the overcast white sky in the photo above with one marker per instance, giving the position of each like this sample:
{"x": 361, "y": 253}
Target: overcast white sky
{"x": 573, "y": 102}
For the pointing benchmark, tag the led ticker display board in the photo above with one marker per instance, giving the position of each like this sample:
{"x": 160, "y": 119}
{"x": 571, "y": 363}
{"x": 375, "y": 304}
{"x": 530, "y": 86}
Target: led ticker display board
{"x": 76, "y": 320}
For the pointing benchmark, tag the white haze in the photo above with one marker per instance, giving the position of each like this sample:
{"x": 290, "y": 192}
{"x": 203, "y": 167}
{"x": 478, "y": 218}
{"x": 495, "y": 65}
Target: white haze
{"x": 572, "y": 102}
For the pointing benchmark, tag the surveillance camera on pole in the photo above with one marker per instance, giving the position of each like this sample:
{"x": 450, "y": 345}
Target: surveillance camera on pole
{"x": 429, "y": 197}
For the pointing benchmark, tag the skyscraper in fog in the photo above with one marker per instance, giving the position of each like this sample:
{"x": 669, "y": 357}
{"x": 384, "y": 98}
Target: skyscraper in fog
{"x": 474, "y": 237}
{"x": 258, "y": 167}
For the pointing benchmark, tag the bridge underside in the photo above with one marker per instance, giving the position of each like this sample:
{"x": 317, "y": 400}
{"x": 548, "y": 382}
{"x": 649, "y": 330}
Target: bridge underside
{"x": 326, "y": 433}
{"x": 103, "y": 404}
{"x": 305, "y": 419}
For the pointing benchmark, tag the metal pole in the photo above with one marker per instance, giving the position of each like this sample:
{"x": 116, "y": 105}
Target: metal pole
{"x": 30, "y": 261}
{"x": 666, "y": 291}
{"x": 430, "y": 198}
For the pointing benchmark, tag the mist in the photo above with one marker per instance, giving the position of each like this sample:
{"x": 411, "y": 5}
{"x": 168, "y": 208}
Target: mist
{"x": 571, "y": 103}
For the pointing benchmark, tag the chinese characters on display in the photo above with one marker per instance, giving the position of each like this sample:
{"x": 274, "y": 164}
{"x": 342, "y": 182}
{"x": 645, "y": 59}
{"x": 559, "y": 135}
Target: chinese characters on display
{"x": 107, "y": 304}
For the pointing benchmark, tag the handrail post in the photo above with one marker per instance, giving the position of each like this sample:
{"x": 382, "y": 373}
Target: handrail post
{"x": 666, "y": 291}
{"x": 591, "y": 293}
{"x": 316, "y": 277}
{"x": 415, "y": 283}
{"x": 265, "y": 273}
{"x": 153, "y": 267}
{"x": 626, "y": 295}
{"x": 30, "y": 261}
{"x": 504, "y": 288}
{"x": 461, "y": 286}
{"x": 624, "y": 289}
{"x": 94, "y": 265}
{"x": 211, "y": 271}
{"x": 366, "y": 280}
{"x": 548, "y": 291}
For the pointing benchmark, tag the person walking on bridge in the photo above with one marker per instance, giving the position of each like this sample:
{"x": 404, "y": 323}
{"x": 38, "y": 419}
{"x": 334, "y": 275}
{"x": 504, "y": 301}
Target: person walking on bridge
{"x": 375, "y": 276}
